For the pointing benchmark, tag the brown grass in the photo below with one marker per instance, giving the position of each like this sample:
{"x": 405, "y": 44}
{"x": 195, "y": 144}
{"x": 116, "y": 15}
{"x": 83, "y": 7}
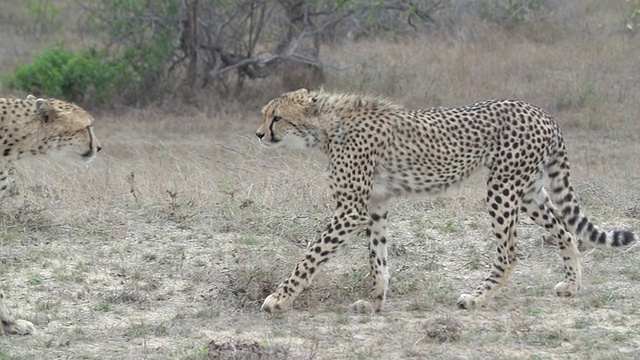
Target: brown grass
{"x": 165, "y": 247}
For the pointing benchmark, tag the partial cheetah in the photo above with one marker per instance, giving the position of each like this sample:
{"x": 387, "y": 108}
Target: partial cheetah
{"x": 37, "y": 127}
{"x": 378, "y": 150}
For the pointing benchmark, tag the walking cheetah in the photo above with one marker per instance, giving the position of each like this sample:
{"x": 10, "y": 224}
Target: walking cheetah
{"x": 378, "y": 150}
{"x": 37, "y": 127}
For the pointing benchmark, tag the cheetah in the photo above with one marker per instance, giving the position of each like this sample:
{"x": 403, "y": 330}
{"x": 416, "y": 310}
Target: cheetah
{"x": 378, "y": 150}
{"x": 35, "y": 126}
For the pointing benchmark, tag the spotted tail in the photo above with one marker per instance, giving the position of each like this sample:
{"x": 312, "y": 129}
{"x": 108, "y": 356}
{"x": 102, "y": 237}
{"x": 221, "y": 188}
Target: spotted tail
{"x": 568, "y": 209}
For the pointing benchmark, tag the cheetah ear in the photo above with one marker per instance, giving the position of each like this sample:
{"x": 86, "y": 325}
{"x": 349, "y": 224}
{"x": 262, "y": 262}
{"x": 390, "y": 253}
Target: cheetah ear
{"x": 31, "y": 97}
{"x": 312, "y": 107}
{"x": 315, "y": 95}
{"x": 45, "y": 110}
{"x": 301, "y": 93}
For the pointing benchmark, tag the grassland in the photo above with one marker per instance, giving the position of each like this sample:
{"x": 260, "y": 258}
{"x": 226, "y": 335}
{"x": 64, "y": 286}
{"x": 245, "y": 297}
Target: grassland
{"x": 166, "y": 245}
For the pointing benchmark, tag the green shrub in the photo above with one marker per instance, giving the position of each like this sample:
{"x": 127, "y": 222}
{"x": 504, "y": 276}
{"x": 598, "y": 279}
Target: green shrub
{"x": 131, "y": 66}
{"x": 86, "y": 76}
{"x": 144, "y": 35}
{"x": 43, "y": 16}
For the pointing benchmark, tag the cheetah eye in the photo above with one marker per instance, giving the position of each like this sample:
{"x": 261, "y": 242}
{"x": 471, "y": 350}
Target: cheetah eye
{"x": 276, "y": 119}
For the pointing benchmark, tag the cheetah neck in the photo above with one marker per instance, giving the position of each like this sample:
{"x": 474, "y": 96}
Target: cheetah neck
{"x": 23, "y": 140}
{"x": 332, "y": 112}
{"x": 341, "y": 103}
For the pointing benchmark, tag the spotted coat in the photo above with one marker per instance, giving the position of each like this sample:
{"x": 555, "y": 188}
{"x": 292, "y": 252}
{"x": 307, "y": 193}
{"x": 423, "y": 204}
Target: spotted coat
{"x": 378, "y": 150}
{"x": 31, "y": 127}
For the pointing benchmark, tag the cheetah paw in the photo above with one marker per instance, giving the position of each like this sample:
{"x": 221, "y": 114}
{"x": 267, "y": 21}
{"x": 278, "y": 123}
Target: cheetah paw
{"x": 275, "y": 302}
{"x": 549, "y": 240}
{"x": 565, "y": 288}
{"x": 363, "y": 307}
{"x": 20, "y": 327}
{"x": 466, "y": 301}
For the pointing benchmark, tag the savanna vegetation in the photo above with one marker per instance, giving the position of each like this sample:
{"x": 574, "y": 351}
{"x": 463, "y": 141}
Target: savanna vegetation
{"x": 167, "y": 244}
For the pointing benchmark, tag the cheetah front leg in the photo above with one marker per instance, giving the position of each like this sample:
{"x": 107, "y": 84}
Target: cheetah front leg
{"x": 377, "y": 235}
{"x": 503, "y": 209}
{"x": 13, "y": 326}
{"x": 5, "y": 179}
{"x": 342, "y": 226}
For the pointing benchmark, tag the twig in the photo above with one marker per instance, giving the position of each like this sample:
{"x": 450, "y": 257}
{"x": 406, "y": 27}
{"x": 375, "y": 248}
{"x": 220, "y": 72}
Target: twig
{"x": 631, "y": 247}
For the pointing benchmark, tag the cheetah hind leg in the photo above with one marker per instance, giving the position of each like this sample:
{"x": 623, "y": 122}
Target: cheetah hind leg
{"x": 504, "y": 223}
{"x": 377, "y": 233}
{"x": 13, "y": 326}
{"x": 5, "y": 180}
{"x": 541, "y": 210}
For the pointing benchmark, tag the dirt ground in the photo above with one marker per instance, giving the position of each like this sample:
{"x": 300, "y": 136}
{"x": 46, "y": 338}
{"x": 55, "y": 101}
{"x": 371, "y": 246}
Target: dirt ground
{"x": 167, "y": 244}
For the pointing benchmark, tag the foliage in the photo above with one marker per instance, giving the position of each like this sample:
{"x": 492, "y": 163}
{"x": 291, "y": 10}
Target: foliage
{"x": 146, "y": 48}
{"x": 511, "y": 12}
{"x": 221, "y": 43}
{"x": 633, "y": 22}
{"x": 83, "y": 76}
{"x": 43, "y": 16}
{"x": 140, "y": 34}
{"x": 132, "y": 60}
{"x": 42, "y": 10}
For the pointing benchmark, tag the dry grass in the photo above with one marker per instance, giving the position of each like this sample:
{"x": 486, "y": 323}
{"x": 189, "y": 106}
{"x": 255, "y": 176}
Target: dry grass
{"x": 165, "y": 247}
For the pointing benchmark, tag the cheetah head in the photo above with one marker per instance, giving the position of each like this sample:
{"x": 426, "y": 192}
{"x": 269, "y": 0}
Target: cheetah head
{"x": 288, "y": 120}
{"x": 67, "y": 128}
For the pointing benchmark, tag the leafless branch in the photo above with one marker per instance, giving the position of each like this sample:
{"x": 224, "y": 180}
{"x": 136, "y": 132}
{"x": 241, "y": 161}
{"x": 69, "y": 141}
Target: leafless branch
{"x": 224, "y": 43}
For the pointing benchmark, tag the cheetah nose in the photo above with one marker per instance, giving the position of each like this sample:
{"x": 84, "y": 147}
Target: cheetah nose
{"x": 260, "y": 135}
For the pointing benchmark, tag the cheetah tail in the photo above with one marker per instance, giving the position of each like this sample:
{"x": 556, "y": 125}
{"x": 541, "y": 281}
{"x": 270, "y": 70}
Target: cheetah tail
{"x": 562, "y": 194}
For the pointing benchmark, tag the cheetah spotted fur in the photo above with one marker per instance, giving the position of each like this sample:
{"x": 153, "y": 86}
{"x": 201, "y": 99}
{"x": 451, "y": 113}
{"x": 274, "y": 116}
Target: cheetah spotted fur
{"x": 378, "y": 150}
{"x": 35, "y": 126}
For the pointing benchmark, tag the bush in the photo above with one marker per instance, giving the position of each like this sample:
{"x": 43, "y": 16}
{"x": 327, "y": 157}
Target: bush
{"x": 84, "y": 77}
{"x": 141, "y": 34}
{"x": 146, "y": 49}
{"x": 220, "y": 44}
{"x": 511, "y": 13}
